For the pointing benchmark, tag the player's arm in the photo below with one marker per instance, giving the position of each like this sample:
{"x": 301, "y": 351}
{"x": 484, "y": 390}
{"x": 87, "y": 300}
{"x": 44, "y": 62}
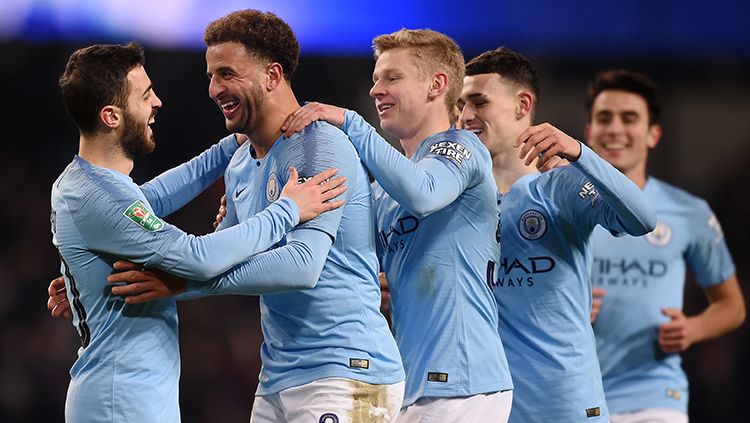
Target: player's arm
{"x": 422, "y": 188}
{"x": 296, "y": 265}
{"x": 725, "y": 313}
{"x": 710, "y": 260}
{"x": 176, "y": 187}
{"x": 627, "y": 208}
{"x": 603, "y": 196}
{"x": 115, "y": 227}
{"x": 627, "y": 211}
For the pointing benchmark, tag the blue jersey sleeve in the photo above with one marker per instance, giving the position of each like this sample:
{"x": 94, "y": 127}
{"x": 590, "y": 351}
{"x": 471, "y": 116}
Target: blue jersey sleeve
{"x": 423, "y": 187}
{"x": 230, "y": 219}
{"x": 707, "y": 253}
{"x": 600, "y": 194}
{"x": 115, "y": 222}
{"x": 174, "y": 188}
{"x": 297, "y": 265}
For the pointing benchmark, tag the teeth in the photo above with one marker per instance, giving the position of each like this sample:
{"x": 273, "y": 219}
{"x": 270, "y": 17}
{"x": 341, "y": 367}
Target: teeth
{"x": 384, "y": 107}
{"x": 229, "y": 104}
{"x": 614, "y": 146}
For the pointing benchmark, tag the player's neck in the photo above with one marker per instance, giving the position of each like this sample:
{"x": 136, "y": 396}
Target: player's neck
{"x": 638, "y": 174}
{"x": 104, "y": 150}
{"x": 508, "y": 168}
{"x": 433, "y": 123}
{"x": 275, "y": 111}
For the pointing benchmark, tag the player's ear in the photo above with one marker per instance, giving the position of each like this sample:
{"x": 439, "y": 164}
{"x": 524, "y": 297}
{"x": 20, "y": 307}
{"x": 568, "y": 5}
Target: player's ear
{"x": 274, "y": 75}
{"x": 654, "y": 135}
{"x": 438, "y": 86}
{"x": 524, "y": 104}
{"x": 110, "y": 116}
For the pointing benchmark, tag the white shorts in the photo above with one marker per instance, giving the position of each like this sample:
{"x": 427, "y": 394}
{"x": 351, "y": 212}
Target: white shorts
{"x": 334, "y": 400}
{"x": 650, "y": 415}
{"x": 485, "y": 408}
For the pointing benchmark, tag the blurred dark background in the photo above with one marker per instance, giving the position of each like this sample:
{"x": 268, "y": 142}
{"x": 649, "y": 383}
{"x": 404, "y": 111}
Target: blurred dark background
{"x": 698, "y": 53}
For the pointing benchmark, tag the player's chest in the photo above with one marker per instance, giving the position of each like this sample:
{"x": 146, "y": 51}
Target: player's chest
{"x": 253, "y": 185}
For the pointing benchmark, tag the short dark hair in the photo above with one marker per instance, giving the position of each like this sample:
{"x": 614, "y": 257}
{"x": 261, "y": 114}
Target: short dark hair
{"x": 96, "y": 76}
{"x": 629, "y": 81}
{"x": 509, "y": 65}
{"x": 263, "y": 34}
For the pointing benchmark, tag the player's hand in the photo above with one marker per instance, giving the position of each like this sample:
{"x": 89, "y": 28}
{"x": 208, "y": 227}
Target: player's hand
{"x": 675, "y": 335}
{"x": 222, "y": 211}
{"x": 58, "y": 304}
{"x": 596, "y": 302}
{"x": 309, "y": 113}
{"x": 543, "y": 142}
{"x": 312, "y": 196}
{"x": 553, "y": 163}
{"x": 144, "y": 285}
{"x": 385, "y": 294}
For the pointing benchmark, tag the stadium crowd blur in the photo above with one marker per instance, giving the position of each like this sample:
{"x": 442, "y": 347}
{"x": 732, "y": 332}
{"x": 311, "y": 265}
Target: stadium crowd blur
{"x": 705, "y": 150}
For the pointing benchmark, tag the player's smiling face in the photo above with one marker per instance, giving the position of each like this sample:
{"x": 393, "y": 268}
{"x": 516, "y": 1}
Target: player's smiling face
{"x": 139, "y": 113}
{"x": 488, "y": 105}
{"x": 619, "y": 130}
{"x": 400, "y": 92}
{"x": 235, "y": 85}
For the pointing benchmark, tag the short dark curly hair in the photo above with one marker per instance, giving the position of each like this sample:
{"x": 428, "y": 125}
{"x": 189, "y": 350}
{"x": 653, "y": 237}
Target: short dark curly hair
{"x": 509, "y": 65}
{"x": 95, "y": 77}
{"x": 628, "y": 81}
{"x": 263, "y": 34}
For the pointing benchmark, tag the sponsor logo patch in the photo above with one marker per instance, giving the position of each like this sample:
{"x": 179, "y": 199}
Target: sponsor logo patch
{"x": 437, "y": 377}
{"x": 452, "y": 150}
{"x": 273, "y": 191}
{"x": 360, "y": 363}
{"x": 661, "y": 235}
{"x": 714, "y": 224}
{"x": 673, "y": 393}
{"x": 532, "y": 225}
{"x": 587, "y": 190}
{"x": 138, "y": 213}
{"x": 593, "y": 412}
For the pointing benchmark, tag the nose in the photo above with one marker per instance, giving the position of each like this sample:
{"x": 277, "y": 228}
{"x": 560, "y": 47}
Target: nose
{"x": 214, "y": 88}
{"x": 467, "y": 115}
{"x": 377, "y": 90}
{"x": 156, "y": 103}
{"x": 616, "y": 125}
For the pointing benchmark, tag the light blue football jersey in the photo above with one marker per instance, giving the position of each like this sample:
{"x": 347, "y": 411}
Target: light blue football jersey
{"x": 334, "y": 329}
{"x": 437, "y": 261}
{"x": 641, "y": 276}
{"x": 129, "y": 363}
{"x": 543, "y": 289}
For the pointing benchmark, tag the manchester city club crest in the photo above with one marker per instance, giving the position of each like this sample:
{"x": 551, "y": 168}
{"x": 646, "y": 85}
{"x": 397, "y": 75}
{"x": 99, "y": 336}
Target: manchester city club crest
{"x": 532, "y": 225}
{"x": 273, "y": 191}
{"x": 661, "y": 235}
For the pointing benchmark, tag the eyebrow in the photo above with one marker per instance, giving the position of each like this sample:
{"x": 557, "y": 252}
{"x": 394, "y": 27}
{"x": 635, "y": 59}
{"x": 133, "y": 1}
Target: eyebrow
{"x": 475, "y": 96}
{"x": 149, "y": 88}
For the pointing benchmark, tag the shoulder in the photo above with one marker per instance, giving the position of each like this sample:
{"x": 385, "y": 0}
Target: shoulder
{"x": 458, "y": 145}
{"x": 91, "y": 190}
{"x": 320, "y": 138}
{"x": 323, "y": 132}
{"x": 679, "y": 197}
